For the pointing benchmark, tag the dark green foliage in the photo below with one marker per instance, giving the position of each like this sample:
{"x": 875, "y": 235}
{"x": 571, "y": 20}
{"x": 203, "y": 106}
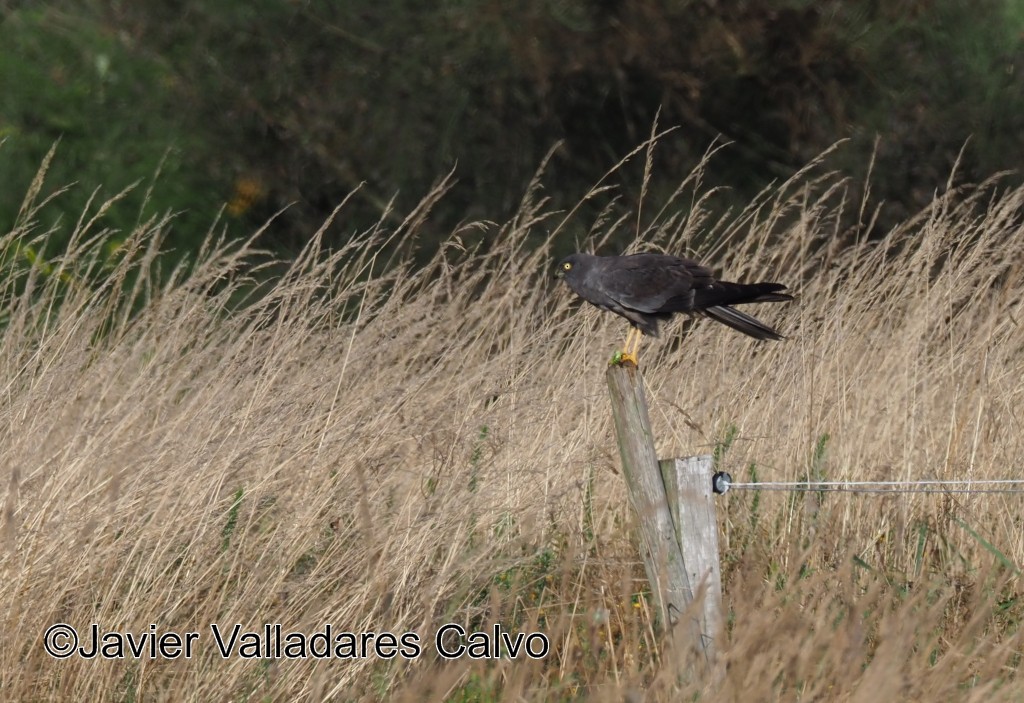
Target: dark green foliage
{"x": 113, "y": 107}
{"x": 270, "y": 104}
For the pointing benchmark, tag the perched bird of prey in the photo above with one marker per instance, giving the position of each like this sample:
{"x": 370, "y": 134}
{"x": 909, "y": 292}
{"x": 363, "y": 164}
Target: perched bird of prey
{"x": 648, "y": 288}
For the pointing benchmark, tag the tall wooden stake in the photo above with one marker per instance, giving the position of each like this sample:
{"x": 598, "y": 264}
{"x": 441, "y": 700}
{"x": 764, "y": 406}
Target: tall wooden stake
{"x": 675, "y": 514}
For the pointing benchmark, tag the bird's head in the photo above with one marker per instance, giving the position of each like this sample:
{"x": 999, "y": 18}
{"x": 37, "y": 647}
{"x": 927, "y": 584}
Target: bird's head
{"x": 567, "y": 267}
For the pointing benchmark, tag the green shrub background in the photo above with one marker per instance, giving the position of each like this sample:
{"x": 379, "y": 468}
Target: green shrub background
{"x": 274, "y": 104}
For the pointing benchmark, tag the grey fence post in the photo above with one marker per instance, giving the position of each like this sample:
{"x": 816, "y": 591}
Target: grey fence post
{"x": 675, "y": 511}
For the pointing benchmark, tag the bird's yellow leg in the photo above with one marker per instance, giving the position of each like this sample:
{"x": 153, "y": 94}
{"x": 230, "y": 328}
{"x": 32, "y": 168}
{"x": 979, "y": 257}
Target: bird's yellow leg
{"x": 627, "y": 353}
{"x": 635, "y": 353}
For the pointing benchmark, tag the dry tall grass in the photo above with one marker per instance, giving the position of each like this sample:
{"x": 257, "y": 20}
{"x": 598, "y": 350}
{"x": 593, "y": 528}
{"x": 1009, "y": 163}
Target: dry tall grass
{"x": 379, "y": 447}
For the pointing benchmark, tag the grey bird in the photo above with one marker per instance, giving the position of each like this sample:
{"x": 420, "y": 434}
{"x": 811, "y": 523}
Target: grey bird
{"x": 649, "y": 288}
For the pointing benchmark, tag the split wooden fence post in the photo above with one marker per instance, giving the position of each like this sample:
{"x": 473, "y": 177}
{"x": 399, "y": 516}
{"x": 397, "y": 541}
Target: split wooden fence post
{"x": 675, "y": 511}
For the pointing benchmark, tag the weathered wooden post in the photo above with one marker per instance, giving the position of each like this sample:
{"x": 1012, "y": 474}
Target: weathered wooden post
{"x": 688, "y": 485}
{"x": 673, "y": 504}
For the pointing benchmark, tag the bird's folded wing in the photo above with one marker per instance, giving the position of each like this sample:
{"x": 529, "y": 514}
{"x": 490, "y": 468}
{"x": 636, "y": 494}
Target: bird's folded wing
{"x": 648, "y": 285}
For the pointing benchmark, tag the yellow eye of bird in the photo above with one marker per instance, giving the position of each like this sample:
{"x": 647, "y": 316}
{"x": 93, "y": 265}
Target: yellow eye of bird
{"x": 567, "y": 266}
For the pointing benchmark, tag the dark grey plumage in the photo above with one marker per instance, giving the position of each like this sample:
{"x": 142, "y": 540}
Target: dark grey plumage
{"x": 648, "y": 288}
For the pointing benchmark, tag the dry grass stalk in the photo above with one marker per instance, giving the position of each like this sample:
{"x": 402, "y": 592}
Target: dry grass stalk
{"x": 386, "y": 448}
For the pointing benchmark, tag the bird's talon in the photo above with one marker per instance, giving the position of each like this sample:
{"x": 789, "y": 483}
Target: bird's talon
{"x": 619, "y": 358}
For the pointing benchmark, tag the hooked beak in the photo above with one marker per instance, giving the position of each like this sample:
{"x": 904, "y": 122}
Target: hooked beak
{"x": 559, "y": 273}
